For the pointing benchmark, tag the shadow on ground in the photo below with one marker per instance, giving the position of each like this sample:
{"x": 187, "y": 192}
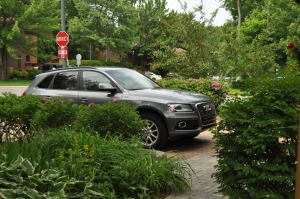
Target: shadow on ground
{"x": 202, "y": 144}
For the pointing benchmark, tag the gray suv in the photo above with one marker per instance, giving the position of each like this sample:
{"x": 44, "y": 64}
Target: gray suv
{"x": 170, "y": 113}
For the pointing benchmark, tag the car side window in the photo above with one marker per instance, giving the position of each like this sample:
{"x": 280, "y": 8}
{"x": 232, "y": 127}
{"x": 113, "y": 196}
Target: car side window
{"x": 46, "y": 82}
{"x": 91, "y": 80}
{"x": 66, "y": 80}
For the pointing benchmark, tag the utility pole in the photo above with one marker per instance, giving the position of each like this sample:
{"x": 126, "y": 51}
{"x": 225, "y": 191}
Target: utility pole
{"x": 63, "y": 28}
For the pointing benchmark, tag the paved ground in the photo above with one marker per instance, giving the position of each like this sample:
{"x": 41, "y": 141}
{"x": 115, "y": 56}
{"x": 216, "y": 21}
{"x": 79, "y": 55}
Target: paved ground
{"x": 199, "y": 154}
{"x": 13, "y": 89}
{"x": 203, "y": 185}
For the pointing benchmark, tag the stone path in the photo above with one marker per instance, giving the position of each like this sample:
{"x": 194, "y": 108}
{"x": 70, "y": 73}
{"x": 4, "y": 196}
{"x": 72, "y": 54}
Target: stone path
{"x": 203, "y": 185}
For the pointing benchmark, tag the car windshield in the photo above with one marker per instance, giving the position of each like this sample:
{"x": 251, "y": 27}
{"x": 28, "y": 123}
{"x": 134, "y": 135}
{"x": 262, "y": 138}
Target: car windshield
{"x": 132, "y": 80}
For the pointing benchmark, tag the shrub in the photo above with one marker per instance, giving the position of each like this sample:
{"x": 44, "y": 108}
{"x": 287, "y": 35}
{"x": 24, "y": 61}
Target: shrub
{"x": 54, "y": 113}
{"x": 112, "y": 117}
{"x": 215, "y": 90}
{"x": 256, "y": 140}
{"x": 102, "y": 63}
{"x": 16, "y": 113}
{"x": 70, "y": 164}
{"x": 33, "y": 73}
{"x": 19, "y": 74}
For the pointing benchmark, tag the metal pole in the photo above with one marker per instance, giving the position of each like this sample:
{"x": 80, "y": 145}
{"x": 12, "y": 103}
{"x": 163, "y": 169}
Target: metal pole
{"x": 297, "y": 191}
{"x": 63, "y": 27}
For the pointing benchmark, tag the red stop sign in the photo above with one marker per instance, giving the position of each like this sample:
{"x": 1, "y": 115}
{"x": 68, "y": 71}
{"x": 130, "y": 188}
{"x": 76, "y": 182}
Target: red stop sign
{"x": 62, "y": 38}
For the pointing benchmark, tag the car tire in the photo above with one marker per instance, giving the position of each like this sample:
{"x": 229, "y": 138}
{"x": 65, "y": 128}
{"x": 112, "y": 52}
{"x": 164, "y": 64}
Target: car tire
{"x": 155, "y": 134}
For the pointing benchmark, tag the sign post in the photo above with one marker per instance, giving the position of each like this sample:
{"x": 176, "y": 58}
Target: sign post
{"x": 63, "y": 28}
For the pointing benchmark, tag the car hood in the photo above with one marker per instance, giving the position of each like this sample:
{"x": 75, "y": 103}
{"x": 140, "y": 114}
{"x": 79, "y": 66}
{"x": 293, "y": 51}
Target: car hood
{"x": 169, "y": 95}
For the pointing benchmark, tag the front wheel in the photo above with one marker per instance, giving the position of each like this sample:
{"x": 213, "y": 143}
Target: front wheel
{"x": 155, "y": 133}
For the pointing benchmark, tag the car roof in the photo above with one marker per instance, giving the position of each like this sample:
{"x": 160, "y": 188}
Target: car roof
{"x": 99, "y": 68}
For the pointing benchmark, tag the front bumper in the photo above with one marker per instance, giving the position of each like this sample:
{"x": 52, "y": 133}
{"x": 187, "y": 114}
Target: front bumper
{"x": 185, "y": 124}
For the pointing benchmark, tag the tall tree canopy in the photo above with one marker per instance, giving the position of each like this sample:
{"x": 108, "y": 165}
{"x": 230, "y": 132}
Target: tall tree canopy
{"x": 102, "y": 24}
{"x": 25, "y": 17}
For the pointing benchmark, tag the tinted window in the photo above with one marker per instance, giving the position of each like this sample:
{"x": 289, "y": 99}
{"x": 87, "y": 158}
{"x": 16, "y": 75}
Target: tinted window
{"x": 132, "y": 80}
{"x": 46, "y": 82}
{"x": 66, "y": 80}
{"x": 91, "y": 80}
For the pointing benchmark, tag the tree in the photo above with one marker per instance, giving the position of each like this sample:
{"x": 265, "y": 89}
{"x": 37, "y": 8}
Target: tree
{"x": 103, "y": 24}
{"x": 25, "y": 17}
{"x": 241, "y": 9}
{"x": 154, "y": 36}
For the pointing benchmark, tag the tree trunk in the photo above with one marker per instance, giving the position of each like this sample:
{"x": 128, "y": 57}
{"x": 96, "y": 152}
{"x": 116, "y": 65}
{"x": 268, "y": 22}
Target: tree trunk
{"x": 3, "y": 64}
{"x": 239, "y": 12}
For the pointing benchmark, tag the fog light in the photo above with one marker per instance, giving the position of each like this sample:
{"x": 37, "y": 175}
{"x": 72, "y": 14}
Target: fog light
{"x": 182, "y": 125}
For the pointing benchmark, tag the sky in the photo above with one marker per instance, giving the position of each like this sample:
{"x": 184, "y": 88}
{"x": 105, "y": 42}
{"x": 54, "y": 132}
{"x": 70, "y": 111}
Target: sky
{"x": 209, "y": 7}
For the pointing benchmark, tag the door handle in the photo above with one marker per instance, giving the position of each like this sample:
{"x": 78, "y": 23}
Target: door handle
{"x": 84, "y": 99}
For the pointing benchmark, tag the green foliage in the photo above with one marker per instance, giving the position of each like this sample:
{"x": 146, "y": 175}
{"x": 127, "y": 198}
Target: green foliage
{"x": 35, "y": 18}
{"x": 109, "y": 118}
{"x": 16, "y": 113}
{"x": 215, "y": 90}
{"x": 19, "y": 74}
{"x": 111, "y": 24}
{"x": 257, "y": 138}
{"x": 33, "y": 73}
{"x": 54, "y": 113}
{"x": 102, "y": 63}
{"x": 71, "y": 164}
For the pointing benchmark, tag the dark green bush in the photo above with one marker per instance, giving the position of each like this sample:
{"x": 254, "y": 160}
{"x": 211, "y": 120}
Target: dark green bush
{"x": 16, "y": 113}
{"x": 33, "y": 73}
{"x": 54, "y": 113}
{"x": 101, "y": 63}
{"x": 19, "y": 74}
{"x": 256, "y": 140}
{"x": 112, "y": 117}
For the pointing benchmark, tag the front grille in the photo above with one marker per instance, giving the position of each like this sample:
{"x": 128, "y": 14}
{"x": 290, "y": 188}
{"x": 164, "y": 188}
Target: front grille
{"x": 208, "y": 114}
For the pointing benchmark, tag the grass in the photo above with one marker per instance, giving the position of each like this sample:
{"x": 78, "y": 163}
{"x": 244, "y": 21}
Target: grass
{"x": 15, "y": 82}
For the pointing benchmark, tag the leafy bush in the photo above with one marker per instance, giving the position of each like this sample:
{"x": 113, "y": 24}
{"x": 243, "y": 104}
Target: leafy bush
{"x": 33, "y": 73}
{"x": 70, "y": 164}
{"x": 102, "y": 63}
{"x": 19, "y": 74}
{"x": 112, "y": 117}
{"x": 16, "y": 113}
{"x": 54, "y": 113}
{"x": 215, "y": 90}
{"x": 256, "y": 140}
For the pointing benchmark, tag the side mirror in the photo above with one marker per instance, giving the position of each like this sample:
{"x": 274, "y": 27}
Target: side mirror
{"x": 107, "y": 87}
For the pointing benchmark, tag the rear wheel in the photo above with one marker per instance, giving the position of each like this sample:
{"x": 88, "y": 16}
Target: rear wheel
{"x": 155, "y": 133}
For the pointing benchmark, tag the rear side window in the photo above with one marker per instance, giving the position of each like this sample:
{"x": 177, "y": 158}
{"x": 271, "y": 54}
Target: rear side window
{"x": 46, "y": 82}
{"x": 66, "y": 80}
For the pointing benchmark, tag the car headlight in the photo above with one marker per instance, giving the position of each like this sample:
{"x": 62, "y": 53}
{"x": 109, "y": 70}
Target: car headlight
{"x": 180, "y": 107}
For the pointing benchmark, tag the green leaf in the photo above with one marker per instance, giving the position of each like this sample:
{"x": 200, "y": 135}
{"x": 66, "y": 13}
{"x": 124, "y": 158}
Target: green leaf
{"x": 6, "y": 183}
{"x": 6, "y": 193}
{"x": 27, "y": 167}
{"x": 32, "y": 193}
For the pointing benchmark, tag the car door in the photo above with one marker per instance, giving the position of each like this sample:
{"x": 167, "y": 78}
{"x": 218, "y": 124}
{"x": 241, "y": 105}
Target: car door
{"x": 90, "y": 93}
{"x": 65, "y": 84}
